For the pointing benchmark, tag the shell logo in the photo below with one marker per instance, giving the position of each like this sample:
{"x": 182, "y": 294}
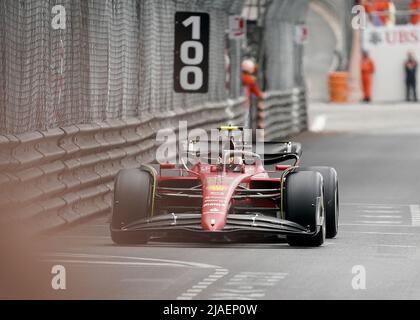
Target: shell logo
{"x": 217, "y": 188}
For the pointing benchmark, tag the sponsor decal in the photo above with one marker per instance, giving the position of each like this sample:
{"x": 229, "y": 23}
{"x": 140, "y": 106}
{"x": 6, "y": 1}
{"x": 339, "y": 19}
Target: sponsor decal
{"x": 214, "y": 204}
{"x": 217, "y": 188}
{"x": 216, "y": 193}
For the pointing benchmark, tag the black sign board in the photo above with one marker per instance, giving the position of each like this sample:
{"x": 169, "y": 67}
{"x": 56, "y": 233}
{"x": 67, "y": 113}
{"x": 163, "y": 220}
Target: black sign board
{"x": 191, "y": 56}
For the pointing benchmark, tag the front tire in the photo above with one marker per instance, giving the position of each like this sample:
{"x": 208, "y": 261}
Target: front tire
{"x": 132, "y": 202}
{"x": 304, "y": 204}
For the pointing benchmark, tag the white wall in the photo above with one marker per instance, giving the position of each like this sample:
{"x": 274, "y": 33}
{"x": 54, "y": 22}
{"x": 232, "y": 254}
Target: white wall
{"x": 388, "y": 47}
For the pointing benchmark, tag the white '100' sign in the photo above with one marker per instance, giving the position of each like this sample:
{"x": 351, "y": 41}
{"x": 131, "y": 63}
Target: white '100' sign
{"x": 191, "y": 52}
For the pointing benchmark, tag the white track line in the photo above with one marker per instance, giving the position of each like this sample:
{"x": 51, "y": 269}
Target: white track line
{"x": 319, "y": 123}
{"x": 249, "y": 285}
{"x": 203, "y": 284}
{"x": 395, "y": 246}
{"x": 415, "y": 215}
{"x": 379, "y": 222}
{"x": 379, "y": 217}
{"x": 99, "y": 257}
{"x": 374, "y": 205}
{"x": 381, "y": 233}
{"x": 381, "y": 211}
{"x": 375, "y": 225}
{"x": 117, "y": 263}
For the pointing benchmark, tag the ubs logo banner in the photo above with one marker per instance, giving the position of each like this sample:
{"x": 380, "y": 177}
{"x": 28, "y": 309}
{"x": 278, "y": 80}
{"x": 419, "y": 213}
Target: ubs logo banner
{"x": 392, "y": 36}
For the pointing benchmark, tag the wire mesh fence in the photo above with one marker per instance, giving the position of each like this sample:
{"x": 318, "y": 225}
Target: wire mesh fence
{"x": 113, "y": 59}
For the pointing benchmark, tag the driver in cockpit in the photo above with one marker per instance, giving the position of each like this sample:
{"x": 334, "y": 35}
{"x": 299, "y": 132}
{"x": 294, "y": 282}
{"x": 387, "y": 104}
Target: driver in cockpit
{"x": 235, "y": 161}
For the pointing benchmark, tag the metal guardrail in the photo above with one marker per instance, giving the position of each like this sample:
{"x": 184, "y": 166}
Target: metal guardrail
{"x": 406, "y": 13}
{"x": 53, "y": 178}
{"x": 398, "y": 17}
{"x": 282, "y": 113}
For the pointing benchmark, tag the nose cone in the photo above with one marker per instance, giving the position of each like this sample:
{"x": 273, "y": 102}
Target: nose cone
{"x": 213, "y": 222}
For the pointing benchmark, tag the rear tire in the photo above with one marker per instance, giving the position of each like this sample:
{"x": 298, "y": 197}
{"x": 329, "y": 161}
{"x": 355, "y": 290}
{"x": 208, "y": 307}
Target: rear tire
{"x": 132, "y": 202}
{"x": 301, "y": 206}
{"x": 331, "y": 198}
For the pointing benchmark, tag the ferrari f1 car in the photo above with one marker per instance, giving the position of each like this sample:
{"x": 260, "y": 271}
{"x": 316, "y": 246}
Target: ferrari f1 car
{"x": 228, "y": 194}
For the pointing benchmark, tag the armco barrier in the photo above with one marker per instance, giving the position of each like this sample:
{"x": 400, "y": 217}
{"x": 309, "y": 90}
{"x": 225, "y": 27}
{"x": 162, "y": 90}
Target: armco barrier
{"x": 52, "y": 178}
{"x": 282, "y": 113}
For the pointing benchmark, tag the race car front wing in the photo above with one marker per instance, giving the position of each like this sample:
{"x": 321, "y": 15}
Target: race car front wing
{"x": 190, "y": 224}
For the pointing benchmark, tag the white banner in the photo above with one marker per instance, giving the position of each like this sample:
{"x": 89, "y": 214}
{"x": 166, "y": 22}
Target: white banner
{"x": 237, "y": 28}
{"x": 388, "y": 47}
{"x": 301, "y": 34}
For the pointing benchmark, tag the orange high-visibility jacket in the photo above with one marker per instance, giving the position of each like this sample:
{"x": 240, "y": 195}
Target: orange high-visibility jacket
{"x": 382, "y": 6}
{"x": 415, "y": 16}
{"x": 250, "y": 82}
{"x": 368, "y": 66}
{"x": 368, "y": 69}
{"x": 368, "y": 7}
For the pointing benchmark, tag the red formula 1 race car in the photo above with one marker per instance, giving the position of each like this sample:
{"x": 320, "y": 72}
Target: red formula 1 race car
{"x": 228, "y": 194}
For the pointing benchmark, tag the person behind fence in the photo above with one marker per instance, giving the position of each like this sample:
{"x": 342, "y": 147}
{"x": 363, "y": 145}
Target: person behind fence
{"x": 368, "y": 5}
{"x": 415, "y": 12}
{"x": 367, "y": 70}
{"x": 250, "y": 83}
{"x": 381, "y": 12}
{"x": 411, "y": 76}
